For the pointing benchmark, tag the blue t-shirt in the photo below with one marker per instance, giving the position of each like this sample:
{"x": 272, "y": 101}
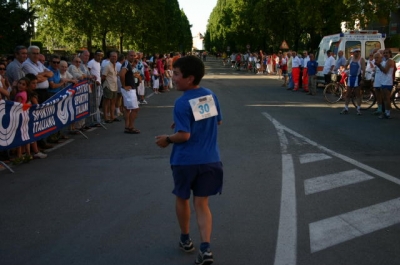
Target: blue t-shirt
{"x": 56, "y": 78}
{"x": 202, "y": 146}
{"x": 312, "y": 67}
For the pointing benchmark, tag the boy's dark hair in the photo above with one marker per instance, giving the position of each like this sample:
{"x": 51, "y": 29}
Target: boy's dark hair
{"x": 191, "y": 65}
{"x": 31, "y": 76}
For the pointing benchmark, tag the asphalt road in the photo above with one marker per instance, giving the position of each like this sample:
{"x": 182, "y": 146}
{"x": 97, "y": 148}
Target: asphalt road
{"x": 303, "y": 185}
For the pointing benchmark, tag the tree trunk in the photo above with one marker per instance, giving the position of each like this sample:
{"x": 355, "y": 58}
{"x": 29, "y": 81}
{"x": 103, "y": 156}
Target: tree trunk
{"x": 104, "y": 43}
{"x": 89, "y": 44}
{"x": 121, "y": 40}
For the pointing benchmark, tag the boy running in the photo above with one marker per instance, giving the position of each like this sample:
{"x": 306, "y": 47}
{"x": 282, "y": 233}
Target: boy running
{"x": 195, "y": 159}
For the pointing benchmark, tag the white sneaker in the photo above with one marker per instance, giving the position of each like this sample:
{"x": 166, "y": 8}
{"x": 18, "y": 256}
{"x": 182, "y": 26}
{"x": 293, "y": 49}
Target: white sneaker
{"x": 39, "y": 155}
{"x": 144, "y": 102}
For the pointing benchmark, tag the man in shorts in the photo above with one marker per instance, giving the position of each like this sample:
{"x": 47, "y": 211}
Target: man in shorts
{"x": 131, "y": 106}
{"x": 110, "y": 88}
{"x": 195, "y": 159}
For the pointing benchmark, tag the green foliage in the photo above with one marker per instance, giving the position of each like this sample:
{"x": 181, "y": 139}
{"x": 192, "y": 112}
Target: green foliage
{"x": 15, "y": 26}
{"x": 264, "y": 24}
{"x": 148, "y": 26}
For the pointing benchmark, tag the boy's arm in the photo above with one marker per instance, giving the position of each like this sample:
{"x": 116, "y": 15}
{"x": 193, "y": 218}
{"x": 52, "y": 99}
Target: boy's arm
{"x": 178, "y": 137}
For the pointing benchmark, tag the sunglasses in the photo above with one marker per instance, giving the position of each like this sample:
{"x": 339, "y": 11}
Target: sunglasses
{"x": 55, "y": 62}
{"x": 2, "y": 68}
{"x": 77, "y": 61}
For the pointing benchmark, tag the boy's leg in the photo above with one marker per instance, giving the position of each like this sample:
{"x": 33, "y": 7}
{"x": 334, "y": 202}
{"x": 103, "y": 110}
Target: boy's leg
{"x": 204, "y": 218}
{"x": 182, "y": 207}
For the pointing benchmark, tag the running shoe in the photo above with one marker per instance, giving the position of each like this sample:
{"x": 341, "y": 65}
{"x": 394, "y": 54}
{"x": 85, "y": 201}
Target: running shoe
{"x": 186, "y": 246}
{"x": 344, "y": 111}
{"x": 204, "y": 258}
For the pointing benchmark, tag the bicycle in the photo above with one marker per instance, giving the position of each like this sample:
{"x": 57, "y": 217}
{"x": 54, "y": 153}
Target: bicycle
{"x": 333, "y": 93}
{"x": 395, "y": 95}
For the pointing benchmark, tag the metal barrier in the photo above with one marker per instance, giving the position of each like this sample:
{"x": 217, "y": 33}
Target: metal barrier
{"x": 94, "y": 118}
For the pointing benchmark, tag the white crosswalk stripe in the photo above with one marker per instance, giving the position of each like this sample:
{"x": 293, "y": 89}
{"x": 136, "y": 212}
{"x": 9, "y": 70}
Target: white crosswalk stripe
{"x": 313, "y": 157}
{"x": 336, "y": 180}
{"x": 338, "y": 229}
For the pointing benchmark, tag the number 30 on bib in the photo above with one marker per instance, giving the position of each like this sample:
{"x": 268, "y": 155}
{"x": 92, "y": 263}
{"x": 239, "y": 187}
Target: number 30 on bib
{"x": 203, "y": 107}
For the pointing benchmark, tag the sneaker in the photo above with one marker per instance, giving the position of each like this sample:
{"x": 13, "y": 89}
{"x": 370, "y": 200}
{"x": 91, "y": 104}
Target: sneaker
{"x": 359, "y": 112}
{"x": 186, "y": 246}
{"x": 377, "y": 112}
{"x": 344, "y": 111}
{"x": 204, "y": 258}
{"x": 144, "y": 102}
{"x": 384, "y": 116}
{"x": 39, "y": 155}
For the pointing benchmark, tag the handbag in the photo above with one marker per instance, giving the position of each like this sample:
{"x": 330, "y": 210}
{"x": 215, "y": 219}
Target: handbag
{"x": 129, "y": 97}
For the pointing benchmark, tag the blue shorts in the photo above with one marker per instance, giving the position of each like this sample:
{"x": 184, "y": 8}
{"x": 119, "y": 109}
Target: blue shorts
{"x": 205, "y": 180}
{"x": 387, "y": 87}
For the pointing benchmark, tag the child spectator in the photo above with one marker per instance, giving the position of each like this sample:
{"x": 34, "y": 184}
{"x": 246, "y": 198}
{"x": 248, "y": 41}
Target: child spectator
{"x": 22, "y": 97}
{"x": 156, "y": 79}
{"x": 33, "y": 99}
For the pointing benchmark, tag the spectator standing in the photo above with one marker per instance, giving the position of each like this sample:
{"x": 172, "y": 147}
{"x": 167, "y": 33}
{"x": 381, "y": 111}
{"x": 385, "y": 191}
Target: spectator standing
{"x": 296, "y": 63}
{"x": 386, "y": 82}
{"x": 306, "y": 59}
{"x": 131, "y": 108}
{"x": 328, "y": 67}
{"x": 341, "y": 60}
{"x": 110, "y": 88}
{"x": 56, "y": 83}
{"x": 312, "y": 69}
{"x": 140, "y": 70}
{"x": 34, "y": 66}
{"x": 355, "y": 79}
{"x": 289, "y": 70}
{"x": 4, "y": 84}
{"x": 65, "y": 75}
{"x": 118, "y": 104}
{"x": 14, "y": 69}
{"x": 94, "y": 66}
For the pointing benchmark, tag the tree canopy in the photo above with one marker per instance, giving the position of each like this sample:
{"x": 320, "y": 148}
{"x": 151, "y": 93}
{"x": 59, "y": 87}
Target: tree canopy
{"x": 264, "y": 24}
{"x": 15, "y": 25}
{"x": 158, "y": 25}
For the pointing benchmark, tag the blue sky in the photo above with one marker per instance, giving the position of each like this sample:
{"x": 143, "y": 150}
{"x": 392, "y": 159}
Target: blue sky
{"x": 197, "y": 12}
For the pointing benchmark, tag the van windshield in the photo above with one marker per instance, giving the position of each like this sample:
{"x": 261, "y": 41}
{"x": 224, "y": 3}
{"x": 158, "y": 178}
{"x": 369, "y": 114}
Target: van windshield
{"x": 370, "y": 46}
{"x": 350, "y": 45}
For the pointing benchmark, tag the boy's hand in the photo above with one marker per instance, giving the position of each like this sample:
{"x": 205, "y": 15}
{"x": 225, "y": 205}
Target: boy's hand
{"x": 161, "y": 141}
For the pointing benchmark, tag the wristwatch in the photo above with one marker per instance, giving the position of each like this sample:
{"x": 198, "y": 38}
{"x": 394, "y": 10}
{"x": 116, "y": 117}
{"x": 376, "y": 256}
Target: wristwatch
{"x": 168, "y": 140}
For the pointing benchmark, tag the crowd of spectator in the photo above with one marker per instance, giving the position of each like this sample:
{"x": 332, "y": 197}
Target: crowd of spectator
{"x": 30, "y": 77}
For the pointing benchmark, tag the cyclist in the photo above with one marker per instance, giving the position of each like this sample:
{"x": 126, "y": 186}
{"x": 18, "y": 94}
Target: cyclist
{"x": 356, "y": 66}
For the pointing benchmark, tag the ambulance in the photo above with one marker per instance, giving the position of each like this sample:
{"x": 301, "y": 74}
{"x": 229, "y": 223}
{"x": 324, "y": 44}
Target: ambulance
{"x": 365, "y": 40}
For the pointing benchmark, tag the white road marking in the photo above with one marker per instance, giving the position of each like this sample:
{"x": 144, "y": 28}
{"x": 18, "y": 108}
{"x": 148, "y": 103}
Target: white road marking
{"x": 313, "y": 157}
{"x": 286, "y": 249}
{"x": 341, "y": 228}
{"x": 286, "y": 245}
{"x": 333, "y": 153}
{"x": 328, "y": 182}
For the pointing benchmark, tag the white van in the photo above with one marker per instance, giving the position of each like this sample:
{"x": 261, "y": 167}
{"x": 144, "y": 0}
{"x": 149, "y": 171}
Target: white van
{"x": 366, "y": 40}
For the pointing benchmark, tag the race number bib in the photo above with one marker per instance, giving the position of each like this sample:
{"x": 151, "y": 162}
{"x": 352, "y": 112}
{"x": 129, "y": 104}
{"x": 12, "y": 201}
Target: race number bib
{"x": 203, "y": 107}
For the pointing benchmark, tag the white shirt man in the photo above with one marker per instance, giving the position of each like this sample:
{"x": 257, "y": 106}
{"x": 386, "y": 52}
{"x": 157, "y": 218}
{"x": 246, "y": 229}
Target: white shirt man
{"x": 329, "y": 63}
{"x": 94, "y": 66}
